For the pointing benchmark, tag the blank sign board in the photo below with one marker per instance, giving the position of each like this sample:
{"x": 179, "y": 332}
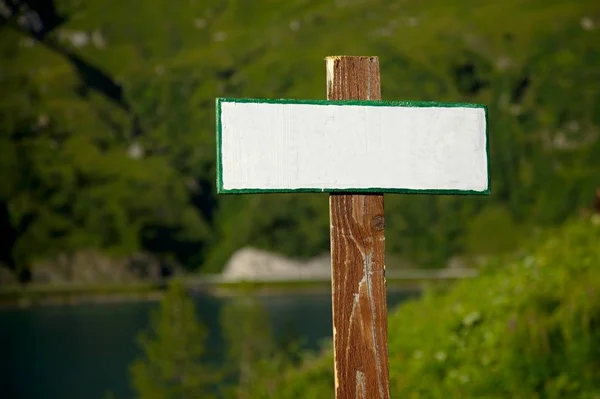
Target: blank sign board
{"x": 353, "y": 146}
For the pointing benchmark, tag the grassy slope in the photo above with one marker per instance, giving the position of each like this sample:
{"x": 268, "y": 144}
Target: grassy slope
{"x": 529, "y": 327}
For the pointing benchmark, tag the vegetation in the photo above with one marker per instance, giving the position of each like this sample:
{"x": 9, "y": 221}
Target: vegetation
{"x": 173, "y": 364}
{"x": 36, "y": 294}
{"x": 173, "y": 348}
{"x": 107, "y": 144}
{"x": 107, "y": 120}
{"x": 529, "y": 327}
{"x": 254, "y": 357}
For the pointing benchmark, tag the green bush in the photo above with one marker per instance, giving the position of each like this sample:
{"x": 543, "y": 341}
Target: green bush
{"x": 527, "y": 328}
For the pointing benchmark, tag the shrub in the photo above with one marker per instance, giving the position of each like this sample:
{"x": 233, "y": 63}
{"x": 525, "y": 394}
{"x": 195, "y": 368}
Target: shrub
{"x": 528, "y": 329}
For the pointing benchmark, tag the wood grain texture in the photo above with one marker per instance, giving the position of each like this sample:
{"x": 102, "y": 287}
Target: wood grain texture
{"x": 357, "y": 256}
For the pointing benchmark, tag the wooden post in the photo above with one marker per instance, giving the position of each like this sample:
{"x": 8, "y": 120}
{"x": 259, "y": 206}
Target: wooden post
{"x": 284, "y": 145}
{"x": 357, "y": 258}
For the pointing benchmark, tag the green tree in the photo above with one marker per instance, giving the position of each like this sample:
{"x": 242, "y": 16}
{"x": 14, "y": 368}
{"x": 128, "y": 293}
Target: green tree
{"x": 249, "y": 343}
{"x": 255, "y": 359}
{"x": 492, "y": 231}
{"x": 107, "y": 123}
{"x": 173, "y": 347}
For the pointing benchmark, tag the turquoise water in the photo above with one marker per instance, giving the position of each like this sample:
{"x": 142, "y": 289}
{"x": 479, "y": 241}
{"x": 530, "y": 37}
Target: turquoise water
{"x": 83, "y": 351}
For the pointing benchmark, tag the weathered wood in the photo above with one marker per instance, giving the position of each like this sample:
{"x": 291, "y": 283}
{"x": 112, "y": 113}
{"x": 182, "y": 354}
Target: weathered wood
{"x": 357, "y": 256}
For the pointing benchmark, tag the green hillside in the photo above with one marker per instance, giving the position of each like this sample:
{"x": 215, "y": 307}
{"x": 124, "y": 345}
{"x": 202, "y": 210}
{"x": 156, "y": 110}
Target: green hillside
{"x": 107, "y": 120}
{"x": 526, "y": 329}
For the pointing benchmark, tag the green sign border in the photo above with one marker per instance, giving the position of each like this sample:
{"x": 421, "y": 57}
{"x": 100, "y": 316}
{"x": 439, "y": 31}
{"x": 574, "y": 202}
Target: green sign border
{"x": 421, "y": 104}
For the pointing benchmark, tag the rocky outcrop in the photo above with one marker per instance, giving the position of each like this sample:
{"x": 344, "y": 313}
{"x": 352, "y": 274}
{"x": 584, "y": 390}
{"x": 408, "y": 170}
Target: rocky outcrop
{"x": 95, "y": 267}
{"x": 249, "y": 264}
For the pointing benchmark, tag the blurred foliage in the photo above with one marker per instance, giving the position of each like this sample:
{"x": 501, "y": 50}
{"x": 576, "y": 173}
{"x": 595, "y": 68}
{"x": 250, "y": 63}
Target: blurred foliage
{"x": 527, "y": 328}
{"x": 254, "y": 358}
{"x": 173, "y": 346}
{"x": 492, "y": 231}
{"x": 174, "y": 362}
{"x": 107, "y": 119}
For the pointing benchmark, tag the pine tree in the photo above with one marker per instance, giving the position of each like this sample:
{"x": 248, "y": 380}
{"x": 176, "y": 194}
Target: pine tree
{"x": 171, "y": 365}
{"x": 257, "y": 362}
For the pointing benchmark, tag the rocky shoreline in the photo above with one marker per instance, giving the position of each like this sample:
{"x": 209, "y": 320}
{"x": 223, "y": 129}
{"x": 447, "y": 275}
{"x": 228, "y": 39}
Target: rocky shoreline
{"x": 248, "y": 270}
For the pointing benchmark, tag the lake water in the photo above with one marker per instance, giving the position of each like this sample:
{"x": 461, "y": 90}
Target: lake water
{"x": 83, "y": 351}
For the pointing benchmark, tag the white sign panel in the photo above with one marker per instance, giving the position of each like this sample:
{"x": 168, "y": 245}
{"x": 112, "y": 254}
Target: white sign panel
{"x": 353, "y": 146}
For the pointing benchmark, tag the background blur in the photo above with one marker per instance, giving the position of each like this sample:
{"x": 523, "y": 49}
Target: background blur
{"x": 107, "y": 149}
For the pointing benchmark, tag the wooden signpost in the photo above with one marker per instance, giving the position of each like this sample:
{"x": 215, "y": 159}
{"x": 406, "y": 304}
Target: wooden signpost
{"x": 356, "y": 148}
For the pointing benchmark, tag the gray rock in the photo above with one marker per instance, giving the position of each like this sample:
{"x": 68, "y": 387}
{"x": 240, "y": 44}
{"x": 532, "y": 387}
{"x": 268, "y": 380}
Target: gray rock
{"x": 248, "y": 264}
{"x": 95, "y": 267}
